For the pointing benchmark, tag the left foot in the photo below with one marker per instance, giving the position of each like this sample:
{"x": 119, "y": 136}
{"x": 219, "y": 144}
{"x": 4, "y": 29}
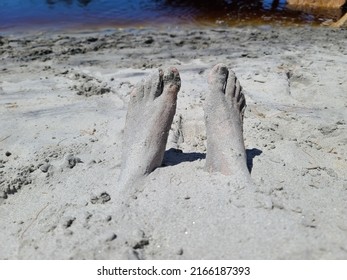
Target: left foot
{"x": 151, "y": 110}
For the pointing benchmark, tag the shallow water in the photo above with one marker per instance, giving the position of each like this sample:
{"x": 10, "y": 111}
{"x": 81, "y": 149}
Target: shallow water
{"x": 56, "y": 14}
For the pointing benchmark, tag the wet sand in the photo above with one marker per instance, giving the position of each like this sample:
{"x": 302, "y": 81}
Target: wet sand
{"x": 63, "y": 101}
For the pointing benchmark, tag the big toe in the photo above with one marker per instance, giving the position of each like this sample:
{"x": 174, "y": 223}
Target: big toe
{"x": 218, "y": 76}
{"x": 172, "y": 81}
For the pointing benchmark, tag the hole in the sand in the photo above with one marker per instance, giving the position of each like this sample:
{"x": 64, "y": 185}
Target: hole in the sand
{"x": 251, "y": 154}
{"x": 175, "y": 156}
{"x": 141, "y": 244}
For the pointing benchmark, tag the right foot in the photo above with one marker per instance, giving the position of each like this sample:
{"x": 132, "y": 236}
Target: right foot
{"x": 224, "y": 108}
{"x": 151, "y": 110}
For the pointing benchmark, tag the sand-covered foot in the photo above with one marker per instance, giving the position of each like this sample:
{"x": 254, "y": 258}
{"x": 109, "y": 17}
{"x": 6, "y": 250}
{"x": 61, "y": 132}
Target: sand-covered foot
{"x": 224, "y": 108}
{"x": 151, "y": 110}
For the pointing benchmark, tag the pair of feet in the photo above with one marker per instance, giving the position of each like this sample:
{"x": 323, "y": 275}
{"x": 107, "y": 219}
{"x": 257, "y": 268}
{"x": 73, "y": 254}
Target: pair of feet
{"x": 151, "y": 111}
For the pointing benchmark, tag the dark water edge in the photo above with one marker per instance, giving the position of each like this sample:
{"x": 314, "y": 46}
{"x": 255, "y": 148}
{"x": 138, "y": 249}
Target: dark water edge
{"x": 46, "y": 15}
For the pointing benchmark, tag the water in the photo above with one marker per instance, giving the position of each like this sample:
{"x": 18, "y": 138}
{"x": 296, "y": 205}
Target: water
{"x": 53, "y": 14}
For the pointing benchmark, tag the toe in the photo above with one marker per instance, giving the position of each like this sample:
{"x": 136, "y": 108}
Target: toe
{"x": 233, "y": 91}
{"x": 218, "y": 77}
{"x": 157, "y": 83}
{"x": 242, "y": 101}
{"x": 172, "y": 81}
{"x": 153, "y": 84}
{"x": 238, "y": 90}
{"x": 231, "y": 86}
{"x": 138, "y": 92}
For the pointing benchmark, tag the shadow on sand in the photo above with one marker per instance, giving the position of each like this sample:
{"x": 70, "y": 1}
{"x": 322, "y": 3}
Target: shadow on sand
{"x": 175, "y": 156}
{"x": 251, "y": 154}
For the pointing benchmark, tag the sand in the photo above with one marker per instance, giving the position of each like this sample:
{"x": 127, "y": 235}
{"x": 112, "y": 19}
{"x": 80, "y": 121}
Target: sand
{"x": 318, "y": 3}
{"x": 63, "y": 102}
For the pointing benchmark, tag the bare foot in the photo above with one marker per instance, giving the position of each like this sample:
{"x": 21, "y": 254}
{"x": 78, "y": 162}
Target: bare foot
{"x": 151, "y": 110}
{"x": 224, "y": 108}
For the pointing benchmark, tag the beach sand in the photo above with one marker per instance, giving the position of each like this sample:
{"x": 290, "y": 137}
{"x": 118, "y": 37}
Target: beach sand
{"x": 63, "y": 102}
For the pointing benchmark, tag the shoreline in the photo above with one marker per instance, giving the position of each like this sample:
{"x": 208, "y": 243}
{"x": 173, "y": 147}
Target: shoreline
{"x": 201, "y": 24}
{"x": 63, "y": 103}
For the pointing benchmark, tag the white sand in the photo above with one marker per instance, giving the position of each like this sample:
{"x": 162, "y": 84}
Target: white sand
{"x": 63, "y": 101}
